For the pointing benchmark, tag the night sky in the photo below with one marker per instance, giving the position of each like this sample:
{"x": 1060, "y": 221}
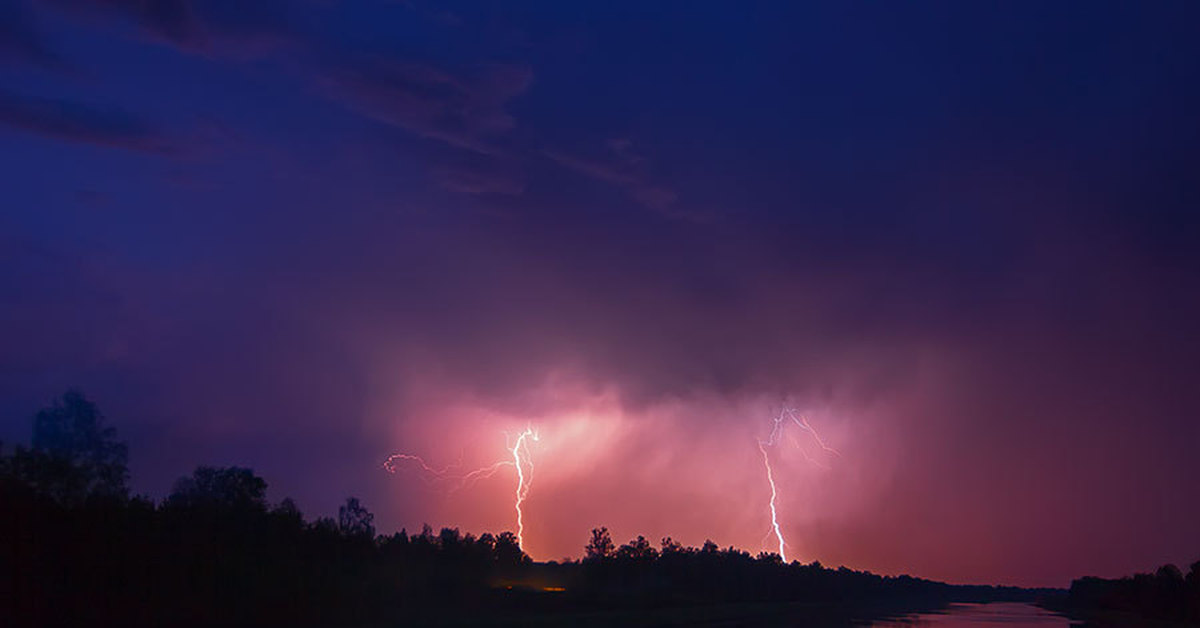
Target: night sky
{"x": 299, "y": 236}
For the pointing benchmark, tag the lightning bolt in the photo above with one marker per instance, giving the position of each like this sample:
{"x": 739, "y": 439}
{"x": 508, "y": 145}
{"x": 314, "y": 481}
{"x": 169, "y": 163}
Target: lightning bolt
{"x": 521, "y": 461}
{"x": 522, "y": 483}
{"x": 434, "y": 475}
{"x": 479, "y": 474}
{"x": 774, "y": 516}
{"x": 772, "y": 440}
{"x": 802, "y": 421}
{"x": 428, "y": 473}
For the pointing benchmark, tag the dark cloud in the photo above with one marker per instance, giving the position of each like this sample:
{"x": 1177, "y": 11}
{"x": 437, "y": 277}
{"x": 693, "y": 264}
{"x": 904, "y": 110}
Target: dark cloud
{"x": 488, "y": 179}
{"x": 215, "y": 27}
{"x": 80, "y": 122}
{"x": 22, "y": 41}
{"x": 466, "y": 110}
{"x": 621, "y": 165}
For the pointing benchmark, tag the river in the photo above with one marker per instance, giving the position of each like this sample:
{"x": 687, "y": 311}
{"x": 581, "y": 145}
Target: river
{"x": 993, "y": 615}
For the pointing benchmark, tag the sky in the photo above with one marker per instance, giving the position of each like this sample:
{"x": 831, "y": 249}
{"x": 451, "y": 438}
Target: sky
{"x": 301, "y": 236}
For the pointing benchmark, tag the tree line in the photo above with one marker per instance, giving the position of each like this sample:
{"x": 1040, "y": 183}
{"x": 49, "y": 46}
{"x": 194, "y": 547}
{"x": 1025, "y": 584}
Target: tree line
{"x": 76, "y": 548}
{"x": 1165, "y": 595}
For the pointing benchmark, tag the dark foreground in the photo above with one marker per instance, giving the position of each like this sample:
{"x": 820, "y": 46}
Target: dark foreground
{"x": 1164, "y": 599}
{"x": 717, "y": 614}
{"x": 76, "y": 550}
{"x": 211, "y": 555}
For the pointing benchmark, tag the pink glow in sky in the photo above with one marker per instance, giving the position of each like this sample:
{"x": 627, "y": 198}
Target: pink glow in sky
{"x": 690, "y": 468}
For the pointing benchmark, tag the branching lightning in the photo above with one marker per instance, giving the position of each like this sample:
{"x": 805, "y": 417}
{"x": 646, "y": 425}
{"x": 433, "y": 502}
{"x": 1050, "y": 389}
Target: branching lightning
{"x": 518, "y": 446}
{"x": 428, "y": 473}
{"x": 479, "y": 474}
{"x": 802, "y": 421}
{"x": 772, "y": 440}
{"x": 521, "y": 461}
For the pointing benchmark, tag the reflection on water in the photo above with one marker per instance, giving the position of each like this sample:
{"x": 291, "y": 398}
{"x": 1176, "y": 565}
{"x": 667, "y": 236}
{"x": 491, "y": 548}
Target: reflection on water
{"x": 1007, "y": 614}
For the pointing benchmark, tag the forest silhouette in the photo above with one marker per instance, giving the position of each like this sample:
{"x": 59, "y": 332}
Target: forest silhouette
{"x": 77, "y": 549}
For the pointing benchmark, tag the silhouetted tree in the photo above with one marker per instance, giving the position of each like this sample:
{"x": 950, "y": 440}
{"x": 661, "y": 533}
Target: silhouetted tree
{"x": 287, "y": 509}
{"x": 1164, "y": 595}
{"x": 450, "y": 538}
{"x": 325, "y": 526}
{"x": 508, "y": 550}
{"x": 44, "y": 474}
{"x": 769, "y": 557}
{"x": 220, "y": 487}
{"x": 355, "y": 520}
{"x": 638, "y": 549}
{"x": 1169, "y": 575}
{"x": 75, "y": 455}
{"x": 601, "y": 546}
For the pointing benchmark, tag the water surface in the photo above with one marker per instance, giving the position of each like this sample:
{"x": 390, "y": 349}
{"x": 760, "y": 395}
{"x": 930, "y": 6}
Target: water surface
{"x": 994, "y": 614}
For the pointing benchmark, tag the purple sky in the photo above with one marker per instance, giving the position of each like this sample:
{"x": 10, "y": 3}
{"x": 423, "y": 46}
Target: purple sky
{"x": 301, "y": 236}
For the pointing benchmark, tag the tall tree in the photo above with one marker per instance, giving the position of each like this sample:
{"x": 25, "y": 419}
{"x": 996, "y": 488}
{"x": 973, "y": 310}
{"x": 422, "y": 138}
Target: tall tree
{"x": 75, "y": 453}
{"x": 601, "y": 546}
{"x": 355, "y": 520}
{"x": 220, "y": 487}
